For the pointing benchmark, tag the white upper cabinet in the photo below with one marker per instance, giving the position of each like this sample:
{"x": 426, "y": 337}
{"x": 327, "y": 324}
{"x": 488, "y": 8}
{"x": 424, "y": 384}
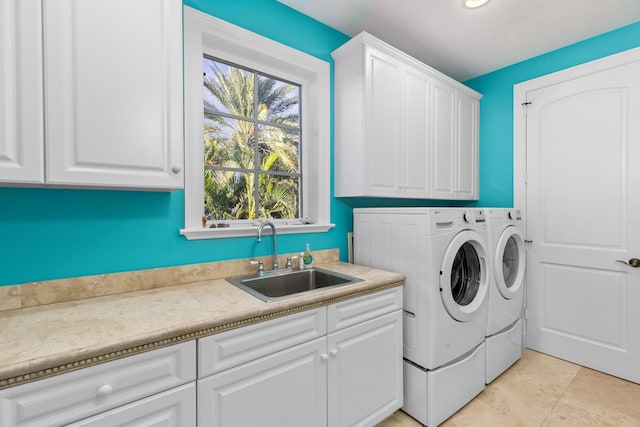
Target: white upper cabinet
{"x": 21, "y": 101}
{"x": 112, "y": 88}
{"x": 403, "y": 129}
{"x": 382, "y": 118}
{"x": 455, "y": 144}
{"x": 415, "y": 148}
{"x": 466, "y": 161}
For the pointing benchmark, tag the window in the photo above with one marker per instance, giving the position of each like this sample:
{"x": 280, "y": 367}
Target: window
{"x": 264, "y": 154}
{"x": 251, "y": 144}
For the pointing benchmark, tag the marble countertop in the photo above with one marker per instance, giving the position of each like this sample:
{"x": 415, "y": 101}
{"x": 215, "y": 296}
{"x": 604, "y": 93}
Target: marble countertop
{"x": 46, "y": 340}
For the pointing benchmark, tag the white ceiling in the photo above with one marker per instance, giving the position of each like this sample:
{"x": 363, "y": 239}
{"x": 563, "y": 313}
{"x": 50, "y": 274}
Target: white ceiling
{"x": 465, "y": 43}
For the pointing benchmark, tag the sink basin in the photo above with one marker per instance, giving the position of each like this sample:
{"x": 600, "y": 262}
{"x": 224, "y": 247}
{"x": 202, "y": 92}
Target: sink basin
{"x": 274, "y": 286}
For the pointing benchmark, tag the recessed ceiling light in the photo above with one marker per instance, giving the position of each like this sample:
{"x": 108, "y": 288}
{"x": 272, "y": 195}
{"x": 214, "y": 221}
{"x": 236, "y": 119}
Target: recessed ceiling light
{"x": 474, "y": 4}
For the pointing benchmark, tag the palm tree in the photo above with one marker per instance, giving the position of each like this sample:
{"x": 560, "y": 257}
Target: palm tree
{"x": 237, "y": 142}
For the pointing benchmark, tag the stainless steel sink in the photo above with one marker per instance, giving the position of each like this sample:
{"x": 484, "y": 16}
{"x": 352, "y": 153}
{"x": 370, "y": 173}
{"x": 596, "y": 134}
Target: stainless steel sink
{"x": 277, "y": 285}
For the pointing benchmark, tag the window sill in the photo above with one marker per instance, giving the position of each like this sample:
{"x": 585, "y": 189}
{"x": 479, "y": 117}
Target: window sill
{"x": 244, "y": 231}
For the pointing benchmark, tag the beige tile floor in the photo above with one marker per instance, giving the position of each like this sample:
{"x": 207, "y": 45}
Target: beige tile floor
{"x": 540, "y": 390}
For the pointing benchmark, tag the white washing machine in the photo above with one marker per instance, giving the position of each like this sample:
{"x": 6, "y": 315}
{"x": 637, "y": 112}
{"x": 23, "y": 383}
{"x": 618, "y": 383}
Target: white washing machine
{"x": 506, "y": 293}
{"x": 444, "y": 255}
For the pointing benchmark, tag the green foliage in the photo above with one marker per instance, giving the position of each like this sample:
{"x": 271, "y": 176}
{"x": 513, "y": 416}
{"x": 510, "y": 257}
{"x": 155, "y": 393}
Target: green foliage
{"x": 235, "y": 148}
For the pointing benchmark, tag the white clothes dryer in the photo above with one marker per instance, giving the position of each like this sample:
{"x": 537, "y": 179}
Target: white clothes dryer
{"x": 444, "y": 255}
{"x": 506, "y": 293}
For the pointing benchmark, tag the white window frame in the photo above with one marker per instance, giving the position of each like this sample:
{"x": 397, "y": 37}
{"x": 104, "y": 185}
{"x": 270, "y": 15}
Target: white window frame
{"x": 205, "y": 34}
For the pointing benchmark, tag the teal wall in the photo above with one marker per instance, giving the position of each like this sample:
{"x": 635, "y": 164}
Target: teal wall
{"x": 496, "y": 106}
{"x": 49, "y": 234}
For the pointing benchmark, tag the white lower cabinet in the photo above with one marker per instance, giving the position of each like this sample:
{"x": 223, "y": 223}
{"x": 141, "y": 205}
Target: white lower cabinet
{"x": 333, "y": 366}
{"x": 351, "y": 376}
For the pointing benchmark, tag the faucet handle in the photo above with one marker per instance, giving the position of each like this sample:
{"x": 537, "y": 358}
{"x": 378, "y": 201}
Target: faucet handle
{"x": 260, "y": 266}
{"x": 289, "y": 259}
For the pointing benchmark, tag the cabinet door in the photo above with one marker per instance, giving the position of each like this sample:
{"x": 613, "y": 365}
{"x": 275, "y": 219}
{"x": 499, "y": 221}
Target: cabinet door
{"x": 467, "y": 135}
{"x": 382, "y": 112}
{"x": 444, "y": 142}
{"x": 173, "y": 408}
{"x": 113, "y": 91}
{"x": 21, "y": 99}
{"x": 416, "y": 136}
{"x": 365, "y": 372}
{"x": 285, "y": 389}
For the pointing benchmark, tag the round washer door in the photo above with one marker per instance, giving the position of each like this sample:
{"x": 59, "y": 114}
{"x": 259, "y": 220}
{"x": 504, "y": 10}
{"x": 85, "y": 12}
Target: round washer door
{"x": 463, "y": 281}
{"x": 509, "y": 262}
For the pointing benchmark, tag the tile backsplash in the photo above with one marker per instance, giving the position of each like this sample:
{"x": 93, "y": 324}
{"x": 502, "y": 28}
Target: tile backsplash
{"x": 76, "y": 288}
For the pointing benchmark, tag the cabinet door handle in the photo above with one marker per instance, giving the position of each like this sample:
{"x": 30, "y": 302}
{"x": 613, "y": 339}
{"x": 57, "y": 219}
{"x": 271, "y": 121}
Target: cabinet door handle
{"x": 176, "y": 169}
{"x": 105, "y": 390}
{"x": 324, "y": 357}
{"x": 333, "y": 352}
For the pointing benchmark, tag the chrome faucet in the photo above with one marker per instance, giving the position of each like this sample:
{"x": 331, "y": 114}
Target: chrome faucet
{"x": 275, "y": 248}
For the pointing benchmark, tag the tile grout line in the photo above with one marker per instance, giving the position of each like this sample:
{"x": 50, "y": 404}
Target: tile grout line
{"x": 560, "y": 397}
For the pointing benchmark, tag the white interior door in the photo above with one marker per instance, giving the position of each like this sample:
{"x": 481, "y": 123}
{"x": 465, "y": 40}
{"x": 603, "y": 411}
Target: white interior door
{"x": 583, "y": 215}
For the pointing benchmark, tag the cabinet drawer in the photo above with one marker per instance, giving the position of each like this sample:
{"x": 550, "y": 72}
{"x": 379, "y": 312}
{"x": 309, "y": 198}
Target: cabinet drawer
{"x": 75, "y": 395}
{"x": 232, "y": 348}
{"x": 351, "y": 312}
{"x": 173, "y": 408}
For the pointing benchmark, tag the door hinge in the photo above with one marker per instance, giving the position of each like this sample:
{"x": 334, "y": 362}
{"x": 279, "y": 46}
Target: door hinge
{"x": 525, "y": 105}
